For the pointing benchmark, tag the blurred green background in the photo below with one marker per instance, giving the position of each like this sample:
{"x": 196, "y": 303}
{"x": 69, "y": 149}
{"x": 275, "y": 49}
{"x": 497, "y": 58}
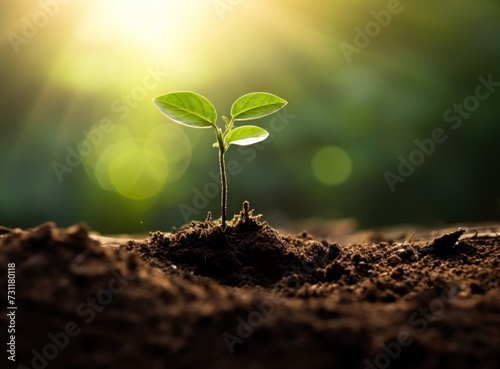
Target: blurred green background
{"x": 78, "y": 78}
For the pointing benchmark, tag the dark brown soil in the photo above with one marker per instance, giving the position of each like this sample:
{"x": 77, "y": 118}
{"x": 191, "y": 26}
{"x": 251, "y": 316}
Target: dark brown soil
{"x": 249, "y": 297}
{"x": 247, "y": 253}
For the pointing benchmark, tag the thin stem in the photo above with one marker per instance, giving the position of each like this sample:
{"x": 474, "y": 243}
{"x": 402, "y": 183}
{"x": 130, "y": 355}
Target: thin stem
{"x": 223, "y": 188}
{"x": 222, "y": 165}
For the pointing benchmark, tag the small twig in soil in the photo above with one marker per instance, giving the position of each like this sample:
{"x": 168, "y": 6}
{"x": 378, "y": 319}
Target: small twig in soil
{"x": 246, "y": 210}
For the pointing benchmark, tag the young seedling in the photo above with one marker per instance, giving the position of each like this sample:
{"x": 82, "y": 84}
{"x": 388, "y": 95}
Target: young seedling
{"x": 193, "y": 110}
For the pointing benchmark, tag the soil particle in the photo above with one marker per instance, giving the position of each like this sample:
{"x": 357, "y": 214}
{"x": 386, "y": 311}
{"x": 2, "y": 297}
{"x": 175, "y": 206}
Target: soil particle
{"x": 394, "y": 260}
{"x": 444, "y": 245}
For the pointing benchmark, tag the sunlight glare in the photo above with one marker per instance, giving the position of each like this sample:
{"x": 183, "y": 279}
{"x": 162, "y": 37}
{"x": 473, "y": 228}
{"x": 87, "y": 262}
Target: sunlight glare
{"x": 144, "y": 22}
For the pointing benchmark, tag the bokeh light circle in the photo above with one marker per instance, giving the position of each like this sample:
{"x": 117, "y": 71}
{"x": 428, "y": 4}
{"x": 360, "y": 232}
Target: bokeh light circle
{"x": 331, "y": 165}
{"x": 139, "y": 168}
{"x": 176, "y": 147}
{"x": 134, "y": 170}
{"x": 139, "y": 172}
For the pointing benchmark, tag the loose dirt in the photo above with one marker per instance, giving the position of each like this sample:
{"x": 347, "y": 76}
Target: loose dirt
{"x": 249, "y": 297}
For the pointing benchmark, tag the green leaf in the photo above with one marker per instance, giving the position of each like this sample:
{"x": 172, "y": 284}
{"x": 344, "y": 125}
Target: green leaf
{"x": 187, "y": 108}
{"x": 256, "y": 105}
{"x": 246, "y": 135}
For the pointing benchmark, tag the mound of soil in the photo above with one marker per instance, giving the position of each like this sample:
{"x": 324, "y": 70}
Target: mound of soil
{"x": 248, "y": 297}
{"x": 247, "y": 253}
